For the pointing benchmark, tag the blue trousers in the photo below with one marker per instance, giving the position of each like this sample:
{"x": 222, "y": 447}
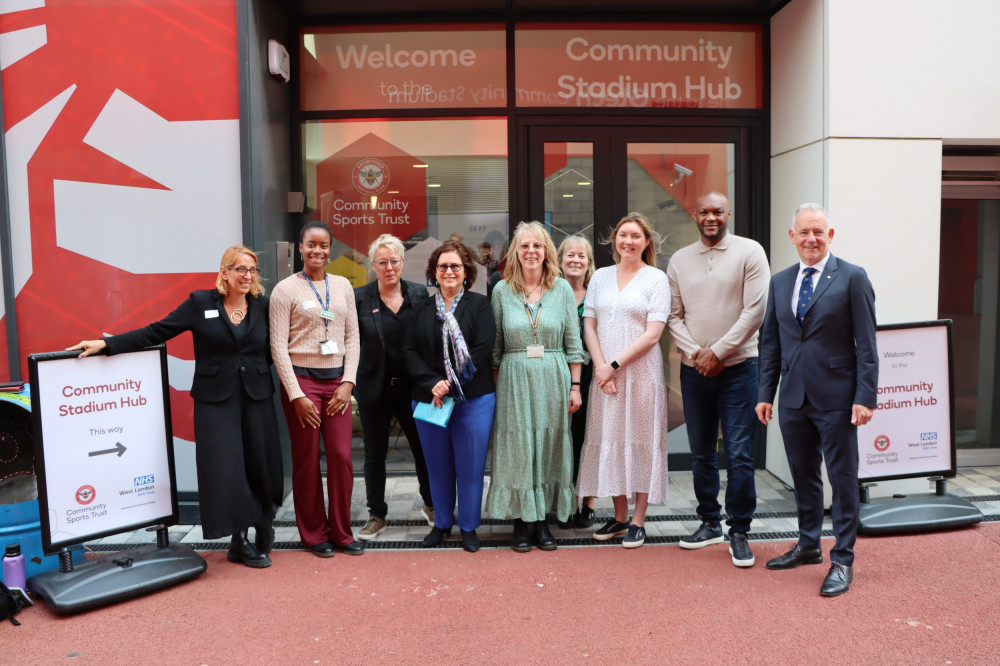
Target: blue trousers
{"x": 456, "y": 461}
{"x": 727, "y": 399}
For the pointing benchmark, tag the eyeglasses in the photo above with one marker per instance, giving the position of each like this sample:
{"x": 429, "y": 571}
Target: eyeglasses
{"x": 243, "y": 270}
{"x": 382, "y": 263}
{"x": 454, "y": 268}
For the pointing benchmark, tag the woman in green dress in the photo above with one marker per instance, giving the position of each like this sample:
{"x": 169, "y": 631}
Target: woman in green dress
{"x": 538, "y": 353}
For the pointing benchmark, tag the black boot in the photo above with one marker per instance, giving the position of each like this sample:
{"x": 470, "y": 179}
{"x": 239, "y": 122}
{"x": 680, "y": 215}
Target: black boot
{"x": 264, "y": 539}
{"x": 520, "y": 542}
{"x": 435, "y": 537}
{"x": 240, "y": 550}
{"x": 543, "y": 537}
{"x": 470, "y": 541}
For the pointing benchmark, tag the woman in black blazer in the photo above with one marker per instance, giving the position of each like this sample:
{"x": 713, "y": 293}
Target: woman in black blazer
{"x": 448, "y": 348}
{"x": 384, "y": 385}
{"x": 236, "y": 430}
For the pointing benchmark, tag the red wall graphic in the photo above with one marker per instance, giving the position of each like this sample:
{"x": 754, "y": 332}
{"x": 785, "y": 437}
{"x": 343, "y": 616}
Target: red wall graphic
{"x": 176, "y": 59}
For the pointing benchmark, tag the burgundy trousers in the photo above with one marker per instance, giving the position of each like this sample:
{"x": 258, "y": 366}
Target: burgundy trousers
{"x": 307, "y": 479}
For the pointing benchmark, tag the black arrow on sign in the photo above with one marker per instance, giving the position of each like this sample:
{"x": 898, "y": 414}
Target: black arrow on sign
{"x": 119, "y": 449}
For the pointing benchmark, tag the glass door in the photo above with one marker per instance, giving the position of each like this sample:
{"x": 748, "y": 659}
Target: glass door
{"x": 583, "y": 179}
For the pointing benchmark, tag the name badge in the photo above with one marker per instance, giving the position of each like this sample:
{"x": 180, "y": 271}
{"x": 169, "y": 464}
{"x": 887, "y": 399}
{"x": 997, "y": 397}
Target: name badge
{"x": 535, "y": 351}
{"x": 308, "y": 305}
{"x": 326, "y": 314}
{"x": 211, "y": 314}
{"x": 327, "y": 347}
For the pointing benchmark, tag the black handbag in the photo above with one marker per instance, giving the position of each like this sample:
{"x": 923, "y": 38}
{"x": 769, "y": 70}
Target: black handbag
{"x": 10, "y": 604}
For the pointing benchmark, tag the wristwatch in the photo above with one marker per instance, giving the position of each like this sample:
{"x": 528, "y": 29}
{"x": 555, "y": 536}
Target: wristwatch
{"x": 614, "y": 365}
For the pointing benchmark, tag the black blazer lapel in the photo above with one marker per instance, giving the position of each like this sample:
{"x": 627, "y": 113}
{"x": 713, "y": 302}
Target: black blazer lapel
{"x": 217, "y": 301}
{"x": 372, "y": 305}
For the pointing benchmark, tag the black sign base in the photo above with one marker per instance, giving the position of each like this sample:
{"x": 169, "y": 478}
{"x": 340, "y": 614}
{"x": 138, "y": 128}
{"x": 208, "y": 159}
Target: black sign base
{"x": 115, "y": 577}
{"x": 916, "y": 513}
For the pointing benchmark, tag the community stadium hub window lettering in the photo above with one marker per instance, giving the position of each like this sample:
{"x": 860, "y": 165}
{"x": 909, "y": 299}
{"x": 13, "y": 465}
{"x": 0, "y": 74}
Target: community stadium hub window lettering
{"x": 625, "y": 65}
{"x": 391, "y": 67}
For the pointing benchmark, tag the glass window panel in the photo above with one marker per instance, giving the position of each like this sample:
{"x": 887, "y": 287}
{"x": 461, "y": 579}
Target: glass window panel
{"x": 664, "y": 181}
{"x": 421, "y": 180}
{"x": 397, "y": 67}
{"x": 569, "y": 189}
{"x": 970, "y": 247}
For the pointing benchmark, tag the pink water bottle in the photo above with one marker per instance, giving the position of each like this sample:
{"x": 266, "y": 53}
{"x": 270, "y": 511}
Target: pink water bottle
{"x": 13, "y": 567}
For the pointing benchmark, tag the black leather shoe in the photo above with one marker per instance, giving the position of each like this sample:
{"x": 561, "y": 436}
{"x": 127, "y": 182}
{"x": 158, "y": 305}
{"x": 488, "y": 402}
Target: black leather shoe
{"x": 838, "y": 580}
{"x": 323, "y": 549}
{"x": 520, "y": 543}
{"x": 241, "y": 551}
{"x": 353, "y": 548}
{"x": 585, "y": 517}
{"x": 264, "y": 540}
{"x": 543, "y": 537}
{"x": 569, "y": 523}
{"x": 470, "y": 541}
{"x": 795, "y": 557}
{"x": 435, "y": 537}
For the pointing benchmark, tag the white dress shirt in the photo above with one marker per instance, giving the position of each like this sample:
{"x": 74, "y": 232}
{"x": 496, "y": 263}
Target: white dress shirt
{"x": 820, "y": 266}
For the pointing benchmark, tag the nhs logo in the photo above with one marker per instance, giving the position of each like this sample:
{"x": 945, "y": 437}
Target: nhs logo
{"x": 928, "y": 436}
{"x": 142, "y": 480}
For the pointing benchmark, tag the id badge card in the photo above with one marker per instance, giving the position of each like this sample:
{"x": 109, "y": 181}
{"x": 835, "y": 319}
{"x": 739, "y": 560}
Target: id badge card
{"x": 326, "y": 314}
{"x": 535, "y": 351}
{"x": 327, "y": 347}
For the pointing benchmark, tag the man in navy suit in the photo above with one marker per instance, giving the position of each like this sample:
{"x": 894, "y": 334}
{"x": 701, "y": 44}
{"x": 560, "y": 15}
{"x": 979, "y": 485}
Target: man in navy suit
{"x": 819, "y": 336}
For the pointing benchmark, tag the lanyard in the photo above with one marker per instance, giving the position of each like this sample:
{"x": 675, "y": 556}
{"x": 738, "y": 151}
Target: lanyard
{"x": 326, "y": 306}
{"x": 532, "y": 320}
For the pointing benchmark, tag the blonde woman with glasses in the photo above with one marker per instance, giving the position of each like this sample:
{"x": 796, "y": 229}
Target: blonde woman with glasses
{"x": 235, "y": 426}
{"x": 538, "y": 354}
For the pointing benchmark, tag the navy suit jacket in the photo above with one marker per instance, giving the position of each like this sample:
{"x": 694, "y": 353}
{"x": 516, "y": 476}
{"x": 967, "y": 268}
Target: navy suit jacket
{"x": 371, "y": 367}
{"x": 831, "y": 358}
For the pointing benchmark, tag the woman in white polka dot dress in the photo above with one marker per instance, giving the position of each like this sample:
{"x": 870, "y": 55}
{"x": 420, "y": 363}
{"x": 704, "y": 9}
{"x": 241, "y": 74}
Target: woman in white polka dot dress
{"x": 625, "y": 448}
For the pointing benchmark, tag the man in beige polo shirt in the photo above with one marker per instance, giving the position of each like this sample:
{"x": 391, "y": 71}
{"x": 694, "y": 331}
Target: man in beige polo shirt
{"x": 718, "y": 289}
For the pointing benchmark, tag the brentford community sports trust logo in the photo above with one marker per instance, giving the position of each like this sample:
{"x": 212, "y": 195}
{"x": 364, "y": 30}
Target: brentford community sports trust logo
{"x": 86, "y": 494}
{"x": 371, "y": 176}
{"x": 881, "y": 443}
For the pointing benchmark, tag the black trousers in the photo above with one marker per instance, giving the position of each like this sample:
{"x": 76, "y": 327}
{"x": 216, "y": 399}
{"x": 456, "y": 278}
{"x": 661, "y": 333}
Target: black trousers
{"x": 376, "y": 418}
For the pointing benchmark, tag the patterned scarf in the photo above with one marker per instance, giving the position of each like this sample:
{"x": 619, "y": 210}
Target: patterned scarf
{"x": 463, "y": 368}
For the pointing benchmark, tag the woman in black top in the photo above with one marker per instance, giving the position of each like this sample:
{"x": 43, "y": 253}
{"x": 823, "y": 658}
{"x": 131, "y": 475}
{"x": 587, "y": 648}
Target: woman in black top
{"x": 449, "y": 341}
{"x": 384, "y": 386}
{"x": 236, "y": 430}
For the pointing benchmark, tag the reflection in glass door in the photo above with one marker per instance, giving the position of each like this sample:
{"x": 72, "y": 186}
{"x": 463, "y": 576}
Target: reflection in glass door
{"x": 569, "y": 189}
{"x": 583, "y": 179}
{"x": 664, "y": 182}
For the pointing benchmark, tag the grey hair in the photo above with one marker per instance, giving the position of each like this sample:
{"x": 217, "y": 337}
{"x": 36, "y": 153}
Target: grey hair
{"x": 387, "y": 241}
{"x": 809, "y": 206}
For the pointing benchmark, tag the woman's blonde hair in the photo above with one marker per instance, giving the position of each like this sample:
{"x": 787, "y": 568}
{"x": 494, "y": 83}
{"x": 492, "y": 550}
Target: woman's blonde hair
{"x": 652, "y": 238}
{"x": 229, "y": 257}
{"x": 387, "y": 241}
{"x": 550, "y": 266}
{"x": 577, "y": 240}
